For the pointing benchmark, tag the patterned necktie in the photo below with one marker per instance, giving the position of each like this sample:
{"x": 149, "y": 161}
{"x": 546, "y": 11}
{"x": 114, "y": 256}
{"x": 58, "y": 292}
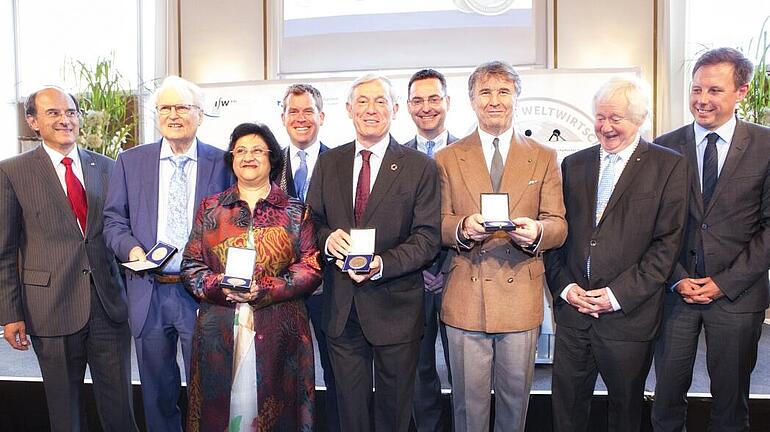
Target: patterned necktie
{"x": 176, "y": 222}
{"x": 710, "y": 175}
{"x": 606, "y": 185}
{"x": 300, "y": 177}
{"x": 76, "y": 194}
{"x": 362, "y": 188}
{"x": 496, "y": 171}
{"x": 429, "y": 145}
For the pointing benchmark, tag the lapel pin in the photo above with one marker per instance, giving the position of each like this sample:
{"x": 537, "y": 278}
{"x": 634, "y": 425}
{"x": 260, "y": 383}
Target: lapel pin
{"x": 92, "y": 164}
{"x": 393, "y": 167}
{"x": 638, "y": 159}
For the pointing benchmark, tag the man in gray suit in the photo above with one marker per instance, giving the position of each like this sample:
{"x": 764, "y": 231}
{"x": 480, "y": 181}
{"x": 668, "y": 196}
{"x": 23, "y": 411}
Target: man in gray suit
{"x": 428, "y": 104}
{"x": 720, "y": 282}
{"x": 59, "y": 283}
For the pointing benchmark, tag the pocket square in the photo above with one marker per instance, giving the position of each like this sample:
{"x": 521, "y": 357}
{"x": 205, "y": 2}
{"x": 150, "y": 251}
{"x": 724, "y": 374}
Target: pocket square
{"x": 532, "y": 182}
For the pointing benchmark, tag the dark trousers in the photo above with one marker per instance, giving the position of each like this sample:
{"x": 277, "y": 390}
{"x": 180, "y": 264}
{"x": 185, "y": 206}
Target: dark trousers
{"x": 579, "y": 355}
{"x": 106, "y": 347}
{"x": 427, "y": 411}
{"x": 314, "y": 305}
{"x": 731, "y": 353}
{"x": 394, "y": 370}
{"x": 171, "y": 319}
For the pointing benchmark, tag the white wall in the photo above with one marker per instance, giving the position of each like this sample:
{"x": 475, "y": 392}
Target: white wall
{"x": 221, "y": 41}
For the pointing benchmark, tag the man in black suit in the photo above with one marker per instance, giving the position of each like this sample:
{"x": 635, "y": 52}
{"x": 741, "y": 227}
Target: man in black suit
{"x": 375, "y": 316}
{"x": 720, "y": 282}
{"x": 626, "y": 203}
{"x": 59, "y": 284}
{"x": 303, "y": 116}
{"x": 428, "y": 104}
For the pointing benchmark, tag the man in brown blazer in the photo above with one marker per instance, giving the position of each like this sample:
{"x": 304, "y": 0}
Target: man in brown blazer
{"x": 493, "y": 298}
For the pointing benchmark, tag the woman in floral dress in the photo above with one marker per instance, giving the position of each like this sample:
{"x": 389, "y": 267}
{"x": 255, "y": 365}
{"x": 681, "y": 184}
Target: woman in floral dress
{"x": 253, "y": 365}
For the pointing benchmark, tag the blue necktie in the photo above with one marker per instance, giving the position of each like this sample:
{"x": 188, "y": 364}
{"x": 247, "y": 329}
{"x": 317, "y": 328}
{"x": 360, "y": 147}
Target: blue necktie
{"x": 603, "y": 193}
{"x": 606, "y": 185}
{"x": 300, "y": 177}
{"x": 177, "y": 228}
{"x": 430, "y": 145}
{"x": 710, "y": 175}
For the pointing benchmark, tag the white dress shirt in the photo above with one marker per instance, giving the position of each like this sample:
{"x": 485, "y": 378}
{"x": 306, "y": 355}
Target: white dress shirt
{"x": 504, "y": 144}
{"x": 165, "y": 172}
{"x": 375, "y": 160}
{"x": 725, "y": 133}
{"x": 440, "y": 142}
{"x": 312, "y": 151}
{"x": 77, "y": 167}
{"x": 623, "y": 157}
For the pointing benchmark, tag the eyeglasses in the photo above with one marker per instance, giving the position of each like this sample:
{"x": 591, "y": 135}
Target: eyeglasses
{"x": 55, "y": 114}
{"x": 613, "y": 120}
{"x": 434, "y": 100}
{"x": 181, "y": 109}
{"x": 256, "y": 152}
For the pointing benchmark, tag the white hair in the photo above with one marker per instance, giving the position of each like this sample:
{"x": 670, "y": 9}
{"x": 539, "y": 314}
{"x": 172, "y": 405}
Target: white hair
{"x": 373, "y": 77}
{"x": 634, "y": 90}
{"x": 183, "y": 87}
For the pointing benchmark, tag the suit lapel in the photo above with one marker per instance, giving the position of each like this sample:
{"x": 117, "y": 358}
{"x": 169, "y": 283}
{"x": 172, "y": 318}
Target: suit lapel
{"x": 471, "y": 160}
{"x": 58, "y": 195}
{"x": 734, "y": 155}
{"x": 627, "y": 177}
{"x": 150, "y": 188}
{"x": 687, "y": 148}
{"x": 519, "y": 169}
{"x": 591, "y": 176}
{"x": 92, "y": 177}
{"x": 389, "y": 171}
{"x": 344, "y": 175}
{"x": 203, "y": 177}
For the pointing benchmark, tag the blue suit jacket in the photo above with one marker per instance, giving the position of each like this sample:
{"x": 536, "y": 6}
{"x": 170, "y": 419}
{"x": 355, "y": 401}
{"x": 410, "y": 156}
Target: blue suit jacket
{"x": 131, "y": 211}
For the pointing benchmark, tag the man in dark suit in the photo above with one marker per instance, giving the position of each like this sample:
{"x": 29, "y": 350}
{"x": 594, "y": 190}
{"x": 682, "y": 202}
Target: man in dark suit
{"x": 375, "y": 316}
{"x": 626, "y": 203}
{"x": 428, "y": 105}
{"x": 303, "y": 116}
{"x": 153, "y": 195}
{"x": 59, "y": 283}
{"x": 720, "y": 282}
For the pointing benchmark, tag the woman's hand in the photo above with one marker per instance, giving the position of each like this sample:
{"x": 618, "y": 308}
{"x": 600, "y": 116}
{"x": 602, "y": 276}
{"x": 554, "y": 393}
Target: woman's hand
{"x": 255, "y": 293}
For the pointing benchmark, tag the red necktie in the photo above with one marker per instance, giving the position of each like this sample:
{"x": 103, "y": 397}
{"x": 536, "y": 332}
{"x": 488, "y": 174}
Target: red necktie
{"x": 75, "y": 193}
{"x": 362, "y": 188}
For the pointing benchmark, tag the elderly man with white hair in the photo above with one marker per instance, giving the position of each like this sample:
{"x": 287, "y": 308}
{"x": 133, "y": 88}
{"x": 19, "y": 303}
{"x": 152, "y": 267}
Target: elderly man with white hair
{"x": 153, "y": 194}
{"x": 626, "y": 203}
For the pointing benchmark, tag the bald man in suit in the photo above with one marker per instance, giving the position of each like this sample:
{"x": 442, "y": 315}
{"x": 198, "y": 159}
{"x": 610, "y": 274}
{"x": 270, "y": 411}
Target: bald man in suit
{"x": 59, "y": 283}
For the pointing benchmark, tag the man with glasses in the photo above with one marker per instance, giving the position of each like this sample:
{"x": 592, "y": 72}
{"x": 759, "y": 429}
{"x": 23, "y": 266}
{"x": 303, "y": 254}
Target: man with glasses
{"x": 154, "y": 192}
{"x": 428, "y": 104}
{"x": 59, "y": 284}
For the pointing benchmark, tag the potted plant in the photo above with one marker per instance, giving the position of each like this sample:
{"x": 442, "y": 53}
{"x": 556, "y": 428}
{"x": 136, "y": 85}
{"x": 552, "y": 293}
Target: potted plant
{"x": 755, "y": 107}
{"x": 108, "y": 124}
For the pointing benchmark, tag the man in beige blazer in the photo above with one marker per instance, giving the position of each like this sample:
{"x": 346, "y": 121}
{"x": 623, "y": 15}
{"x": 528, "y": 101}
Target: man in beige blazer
{"x": 493, "y": 299}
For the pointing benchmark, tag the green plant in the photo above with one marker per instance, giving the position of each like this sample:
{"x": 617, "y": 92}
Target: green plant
{"x": 108, "y": 124}
{"x": 755, "y": 107}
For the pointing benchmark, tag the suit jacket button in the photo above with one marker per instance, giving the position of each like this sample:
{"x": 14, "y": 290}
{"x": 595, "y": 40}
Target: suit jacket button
{"x": 592, "y": 243}
{"x": 86, "y": 271}
{"x": 482, "y": 252}
{"x": 474, "y": 279}
{"x": 704, "y": 226}
{"x": 510, "y": 280}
